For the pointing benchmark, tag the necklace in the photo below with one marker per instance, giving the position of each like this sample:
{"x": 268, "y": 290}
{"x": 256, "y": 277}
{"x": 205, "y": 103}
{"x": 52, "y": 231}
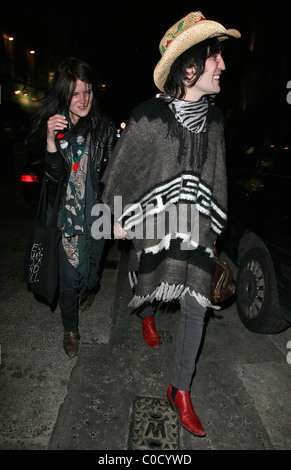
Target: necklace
{"x": 77, "y": 145}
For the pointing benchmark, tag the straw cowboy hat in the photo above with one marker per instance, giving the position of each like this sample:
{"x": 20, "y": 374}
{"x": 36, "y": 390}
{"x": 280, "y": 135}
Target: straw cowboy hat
{"x": 187, "y": 32}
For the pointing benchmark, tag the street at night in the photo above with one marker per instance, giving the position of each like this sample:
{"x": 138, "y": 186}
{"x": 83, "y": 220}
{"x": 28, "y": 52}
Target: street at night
{"x": 112, "y": 396}
{"x": 102, "y": 400}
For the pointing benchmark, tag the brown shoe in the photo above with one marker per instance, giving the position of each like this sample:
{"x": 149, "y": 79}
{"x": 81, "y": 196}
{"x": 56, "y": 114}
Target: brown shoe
{"x": 87, "y": 300}
{"x": 71, "y": 343}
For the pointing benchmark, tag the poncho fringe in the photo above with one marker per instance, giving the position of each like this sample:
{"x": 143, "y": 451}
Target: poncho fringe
{"x": 166, "y": 293}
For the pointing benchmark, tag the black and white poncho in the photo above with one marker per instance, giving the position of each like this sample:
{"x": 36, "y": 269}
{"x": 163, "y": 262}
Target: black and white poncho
{"x": 174, "y": 196}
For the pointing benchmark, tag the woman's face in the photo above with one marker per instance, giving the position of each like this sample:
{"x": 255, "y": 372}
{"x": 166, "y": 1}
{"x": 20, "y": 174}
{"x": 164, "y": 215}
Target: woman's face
{"x": 81, "y": 101}
{"x": 209, "y": 82}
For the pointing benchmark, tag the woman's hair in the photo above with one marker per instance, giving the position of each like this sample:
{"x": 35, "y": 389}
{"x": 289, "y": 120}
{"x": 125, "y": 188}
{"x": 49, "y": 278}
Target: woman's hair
{"x": 194, "y": 56}
{"x": 58, "y": 98}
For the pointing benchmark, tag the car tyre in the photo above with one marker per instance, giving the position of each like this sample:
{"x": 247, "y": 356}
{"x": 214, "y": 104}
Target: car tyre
{"x": 257, "y": 293}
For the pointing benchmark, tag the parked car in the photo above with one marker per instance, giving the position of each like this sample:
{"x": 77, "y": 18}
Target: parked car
{"x": 258, "y": 238}
{"x": 31, "y": 181}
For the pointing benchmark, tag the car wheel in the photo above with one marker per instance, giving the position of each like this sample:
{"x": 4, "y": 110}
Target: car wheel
{"x": 257, "y": 294}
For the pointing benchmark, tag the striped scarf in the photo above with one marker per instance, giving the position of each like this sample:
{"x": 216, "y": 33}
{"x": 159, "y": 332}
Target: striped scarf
{"x": 191, "y": 114}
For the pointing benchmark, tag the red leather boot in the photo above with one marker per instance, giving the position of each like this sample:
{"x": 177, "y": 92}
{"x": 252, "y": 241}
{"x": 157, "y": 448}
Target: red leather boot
{"x": 150, "y": 334}
{"x": 188, "y": 417}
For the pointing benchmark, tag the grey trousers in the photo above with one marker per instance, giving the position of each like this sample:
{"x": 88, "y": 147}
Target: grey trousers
{"x": 188, "y": 340}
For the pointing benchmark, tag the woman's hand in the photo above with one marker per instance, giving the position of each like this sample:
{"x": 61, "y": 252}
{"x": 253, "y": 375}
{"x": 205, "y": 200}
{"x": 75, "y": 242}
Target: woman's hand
{"x": 55, "y": 124}
{"x": 118, "y": 231}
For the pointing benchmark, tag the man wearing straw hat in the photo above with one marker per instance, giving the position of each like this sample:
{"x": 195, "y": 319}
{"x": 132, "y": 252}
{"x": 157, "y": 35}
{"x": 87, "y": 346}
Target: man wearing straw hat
{"x": 171, "y": 160}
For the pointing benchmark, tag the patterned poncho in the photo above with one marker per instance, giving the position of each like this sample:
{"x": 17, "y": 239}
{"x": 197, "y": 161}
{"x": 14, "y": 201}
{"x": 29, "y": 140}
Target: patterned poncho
{"x": 173, "y": 188}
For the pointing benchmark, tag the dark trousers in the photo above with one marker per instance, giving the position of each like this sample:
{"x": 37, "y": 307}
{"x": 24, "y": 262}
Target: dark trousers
{"x": 69, "y": 284}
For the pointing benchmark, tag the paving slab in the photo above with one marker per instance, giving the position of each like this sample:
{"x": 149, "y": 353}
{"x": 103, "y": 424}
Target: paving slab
{"x": 117, "y": 394}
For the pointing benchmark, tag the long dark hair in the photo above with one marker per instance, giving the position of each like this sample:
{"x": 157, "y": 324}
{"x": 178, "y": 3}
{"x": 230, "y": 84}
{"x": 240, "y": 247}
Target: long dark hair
{"x": 58, "y": 97}
{"x": 194, "y": 56}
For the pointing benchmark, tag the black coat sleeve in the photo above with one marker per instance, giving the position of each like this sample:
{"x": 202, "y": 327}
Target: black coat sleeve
{"x": 54, "y": 166}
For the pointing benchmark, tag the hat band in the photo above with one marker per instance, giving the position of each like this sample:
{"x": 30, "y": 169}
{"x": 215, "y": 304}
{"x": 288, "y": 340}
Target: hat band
{"x": 173, "y": 36}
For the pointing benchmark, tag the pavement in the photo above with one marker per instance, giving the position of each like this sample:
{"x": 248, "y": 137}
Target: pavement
{"x": 112, "y": 396}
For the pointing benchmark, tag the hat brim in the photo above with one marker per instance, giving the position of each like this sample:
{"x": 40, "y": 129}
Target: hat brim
{"x": 194, "y": 35}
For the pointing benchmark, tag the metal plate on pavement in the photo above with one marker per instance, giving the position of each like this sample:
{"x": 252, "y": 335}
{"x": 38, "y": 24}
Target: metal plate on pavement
{"x": 154, "y": 425}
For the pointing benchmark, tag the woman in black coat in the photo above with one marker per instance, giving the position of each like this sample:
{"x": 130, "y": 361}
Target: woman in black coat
{"x": 78, "y": 143}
